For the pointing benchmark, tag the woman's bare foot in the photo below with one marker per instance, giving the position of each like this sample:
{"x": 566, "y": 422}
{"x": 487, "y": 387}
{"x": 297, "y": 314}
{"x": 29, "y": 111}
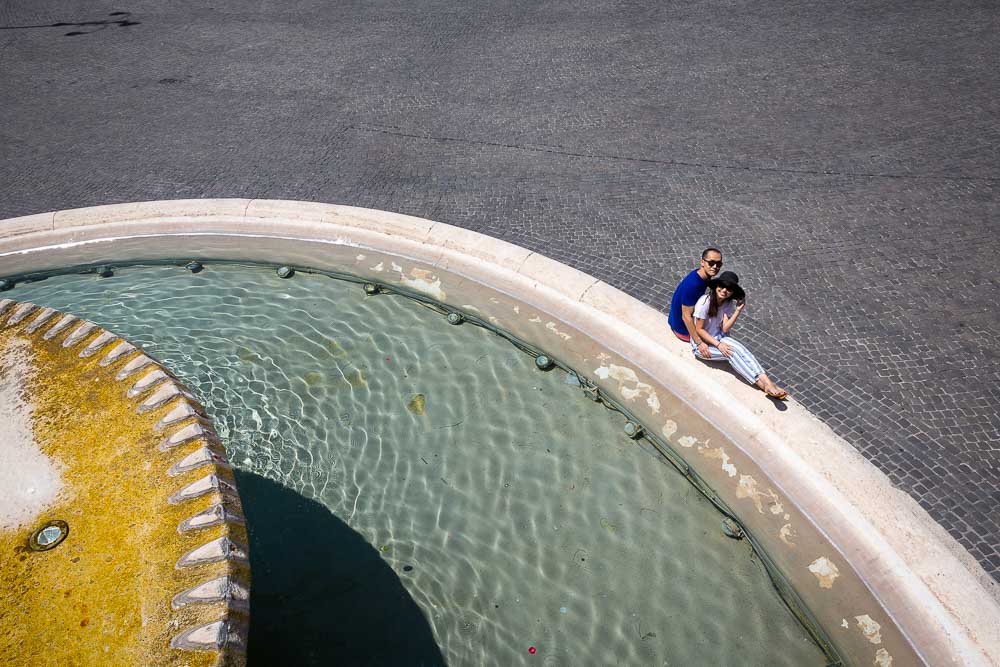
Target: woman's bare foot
{"x": 771, "y": 389}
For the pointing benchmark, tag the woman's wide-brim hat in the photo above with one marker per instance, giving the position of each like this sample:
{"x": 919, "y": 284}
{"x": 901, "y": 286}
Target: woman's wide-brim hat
{"x": 730, "y": 280}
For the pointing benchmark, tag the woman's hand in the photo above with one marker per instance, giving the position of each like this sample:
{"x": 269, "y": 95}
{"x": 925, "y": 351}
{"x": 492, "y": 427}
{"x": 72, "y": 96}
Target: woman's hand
{"x": 729, "y": 321}
{"x": 726, "y": 349}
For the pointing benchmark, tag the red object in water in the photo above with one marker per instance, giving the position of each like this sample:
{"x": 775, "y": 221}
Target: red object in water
{"x": 531, "y": 650}
{"x": 387, "y": 358}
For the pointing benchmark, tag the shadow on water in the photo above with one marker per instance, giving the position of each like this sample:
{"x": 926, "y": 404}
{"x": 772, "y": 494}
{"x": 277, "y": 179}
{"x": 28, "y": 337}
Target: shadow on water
{"x": 321, "y": 594}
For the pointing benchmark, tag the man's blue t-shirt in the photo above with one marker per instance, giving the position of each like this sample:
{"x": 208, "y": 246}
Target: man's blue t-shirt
{"x": 687, "y": 294}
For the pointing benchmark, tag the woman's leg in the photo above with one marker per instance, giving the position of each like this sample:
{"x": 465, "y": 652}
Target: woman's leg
{"x": 745, "y": 370}
{"x": 742, "y": 360}
{"x": 744, "y": 363}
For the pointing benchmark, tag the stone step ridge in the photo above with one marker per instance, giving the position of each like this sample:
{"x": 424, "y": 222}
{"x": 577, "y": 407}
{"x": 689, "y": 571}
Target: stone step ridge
{"x": 197, "y": 468}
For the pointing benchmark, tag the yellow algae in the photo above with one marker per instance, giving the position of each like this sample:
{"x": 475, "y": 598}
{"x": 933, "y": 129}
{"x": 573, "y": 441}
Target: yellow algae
{"x": 103, "y": 596}
{"x": 336, "y": 350}
{"x": 356, "y": 379}
{"x": 417, "y": 405}
{"x": 313, "y": 378}
{"x": 247, "y": 355}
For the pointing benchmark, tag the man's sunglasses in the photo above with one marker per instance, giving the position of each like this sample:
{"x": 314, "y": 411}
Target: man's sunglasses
{"x": 713, "y": 262}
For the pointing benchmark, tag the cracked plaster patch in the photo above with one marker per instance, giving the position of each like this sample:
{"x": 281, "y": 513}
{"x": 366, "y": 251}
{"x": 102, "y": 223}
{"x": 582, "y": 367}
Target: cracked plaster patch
{"x": 420, "y": 280}
{"x": 629, "y": 385}
{"x": 551, "y": 326}
{"x": 727, "y": 467}
{"x": 669, "y": 428}
{"x": 787, "y": 533}
{"x": 869, "y": 628}
{"x": 687, "y": 441}
{"x": 825, "y": 571}
{"x": 748, "y": 488}
{"x": 882, "y": 658}
{"x": 424, "y": 281}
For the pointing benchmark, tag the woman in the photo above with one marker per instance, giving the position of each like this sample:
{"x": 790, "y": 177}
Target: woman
{"x": 714, "y": 316}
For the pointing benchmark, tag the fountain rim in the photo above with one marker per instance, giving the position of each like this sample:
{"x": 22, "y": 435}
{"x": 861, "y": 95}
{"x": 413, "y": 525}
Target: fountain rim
{"x": 946, "y": 606}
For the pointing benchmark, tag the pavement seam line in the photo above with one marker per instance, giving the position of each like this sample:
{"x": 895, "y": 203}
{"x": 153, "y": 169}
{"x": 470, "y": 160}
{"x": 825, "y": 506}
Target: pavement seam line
{"x": 675, "y": 163}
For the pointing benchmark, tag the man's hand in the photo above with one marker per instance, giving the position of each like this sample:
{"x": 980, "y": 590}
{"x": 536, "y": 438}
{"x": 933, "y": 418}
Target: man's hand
{"x": 703, "y": 350}
{"x": 726, "y": 349}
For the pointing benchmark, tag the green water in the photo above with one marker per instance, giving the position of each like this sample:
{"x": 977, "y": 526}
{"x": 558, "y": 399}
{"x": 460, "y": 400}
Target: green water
{"x": 419, "y": 493}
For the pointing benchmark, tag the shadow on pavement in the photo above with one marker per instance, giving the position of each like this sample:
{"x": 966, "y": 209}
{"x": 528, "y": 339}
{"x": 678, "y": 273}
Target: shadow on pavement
{"x": 321, "y": 594}
{"x": 87, "y": 26}
{"x": 722, "y": 365}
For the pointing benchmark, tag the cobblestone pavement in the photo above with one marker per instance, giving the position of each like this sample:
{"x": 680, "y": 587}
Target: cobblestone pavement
{"x": 844, "y": 155}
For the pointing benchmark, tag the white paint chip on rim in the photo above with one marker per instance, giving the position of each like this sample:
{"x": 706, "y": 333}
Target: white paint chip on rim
{"x": 82, "y": 331}
{"x": 203, "y": 637}
{"x": 21, "y": 312}
{"x": 40, "y": 319}
{"x": 147, "y": 381}
{"x": 63, "y": 322}
{"x": 117, "y": 352}
{"x": 95, "y": 345}
{"x": 132, "y": 366}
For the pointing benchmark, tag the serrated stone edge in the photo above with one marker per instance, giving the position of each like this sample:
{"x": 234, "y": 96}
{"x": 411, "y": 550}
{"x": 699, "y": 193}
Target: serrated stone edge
{"x": 149, "y": 386}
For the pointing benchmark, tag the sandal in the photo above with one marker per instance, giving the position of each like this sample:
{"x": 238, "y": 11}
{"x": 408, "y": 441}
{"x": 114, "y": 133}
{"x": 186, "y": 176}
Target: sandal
{"x": 780, "y": 395}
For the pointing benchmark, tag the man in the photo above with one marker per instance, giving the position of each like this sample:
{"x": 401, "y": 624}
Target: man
{"x": 686, "y": 296}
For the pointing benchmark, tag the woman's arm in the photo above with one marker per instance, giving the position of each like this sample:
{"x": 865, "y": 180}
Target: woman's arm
{"x": 703, "y": 334}
{"x": 728, "y": 322}
{"x": 724, "y": 348}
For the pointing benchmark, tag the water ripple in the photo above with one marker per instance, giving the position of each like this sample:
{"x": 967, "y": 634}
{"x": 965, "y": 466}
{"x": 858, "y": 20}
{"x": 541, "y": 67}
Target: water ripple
{"x": 513, "y": 510}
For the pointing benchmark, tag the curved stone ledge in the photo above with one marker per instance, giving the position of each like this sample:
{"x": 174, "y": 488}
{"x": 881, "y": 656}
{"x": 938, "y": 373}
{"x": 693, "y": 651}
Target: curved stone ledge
{"x": 187, "y": 570}
{"x": 884, "y": 580}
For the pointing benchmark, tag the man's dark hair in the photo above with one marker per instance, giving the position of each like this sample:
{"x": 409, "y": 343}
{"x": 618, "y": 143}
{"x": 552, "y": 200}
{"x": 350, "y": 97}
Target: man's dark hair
{"x": 708, "y": 250}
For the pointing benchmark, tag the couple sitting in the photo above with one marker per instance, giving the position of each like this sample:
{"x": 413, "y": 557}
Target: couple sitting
{"x": 704, "y": 309}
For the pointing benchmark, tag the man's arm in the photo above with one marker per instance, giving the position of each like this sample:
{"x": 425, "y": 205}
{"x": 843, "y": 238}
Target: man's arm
{"x": 687, "y": 314}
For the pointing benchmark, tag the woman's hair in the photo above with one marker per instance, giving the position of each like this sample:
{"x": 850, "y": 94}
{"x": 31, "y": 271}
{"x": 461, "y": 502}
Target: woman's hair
{"x": 713, "y": 301}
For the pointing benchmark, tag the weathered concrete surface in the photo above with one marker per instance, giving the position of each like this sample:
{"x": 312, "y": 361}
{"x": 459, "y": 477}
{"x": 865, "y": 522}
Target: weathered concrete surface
{"x": 121, "y": 588}
{"x": 843, "y": 156}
